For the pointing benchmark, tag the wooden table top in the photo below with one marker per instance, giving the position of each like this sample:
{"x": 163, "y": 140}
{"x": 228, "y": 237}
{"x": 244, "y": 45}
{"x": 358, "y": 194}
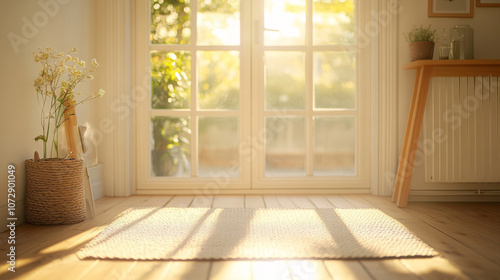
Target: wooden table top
{"x": 452, "y": 62}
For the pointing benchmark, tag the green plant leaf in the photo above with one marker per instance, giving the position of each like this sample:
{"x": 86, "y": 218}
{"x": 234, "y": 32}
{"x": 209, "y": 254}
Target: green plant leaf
{"x": 41, "y": 137}
{"x": 421, "y": 34}
{"x": 56, "y": 147}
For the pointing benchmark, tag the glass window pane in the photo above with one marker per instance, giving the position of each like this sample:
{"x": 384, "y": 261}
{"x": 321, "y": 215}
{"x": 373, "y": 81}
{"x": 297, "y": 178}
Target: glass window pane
{"x": 170, "y": 22}
{"x": 334, "y": 146}
{"x": 285, "y": 80}
{"x": 170, "y": 146}
{"x": 333, "y": 22}
{"x": 218, "y": 80}
{"x": 218, "y": 22}
{"x": 170, "y": 80}
{"x": 218, "y": 146}
{"x": 334, "y": 80}
{"x": 285, "y": 146}
{"x": 284, "y": 22}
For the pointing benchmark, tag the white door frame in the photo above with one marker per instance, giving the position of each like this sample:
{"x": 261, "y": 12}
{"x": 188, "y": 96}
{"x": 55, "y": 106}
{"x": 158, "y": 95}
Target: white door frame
{"x": 381, "y": 164}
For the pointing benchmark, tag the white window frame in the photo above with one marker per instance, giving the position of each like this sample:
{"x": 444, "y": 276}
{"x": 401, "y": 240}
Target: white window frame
{"x": 360, "y": 183}
{"x": 219, "y": 180}
{"x": 364, "y": 164}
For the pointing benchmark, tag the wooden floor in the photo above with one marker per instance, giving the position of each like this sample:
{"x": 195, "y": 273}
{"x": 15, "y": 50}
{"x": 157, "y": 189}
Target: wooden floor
{"x": 466, "y": 235}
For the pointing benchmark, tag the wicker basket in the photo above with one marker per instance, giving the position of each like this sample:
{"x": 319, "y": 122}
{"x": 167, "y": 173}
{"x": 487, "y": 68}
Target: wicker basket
{"x": 54, "y": 191}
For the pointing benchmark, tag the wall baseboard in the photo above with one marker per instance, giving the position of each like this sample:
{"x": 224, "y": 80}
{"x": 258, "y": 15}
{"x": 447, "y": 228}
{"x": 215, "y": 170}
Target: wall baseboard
{"x": 455, "y": 196}
{"x": 210, "y": 192}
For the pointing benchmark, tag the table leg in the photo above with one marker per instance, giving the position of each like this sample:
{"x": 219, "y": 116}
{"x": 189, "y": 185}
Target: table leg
{"x": 410, "y": 144}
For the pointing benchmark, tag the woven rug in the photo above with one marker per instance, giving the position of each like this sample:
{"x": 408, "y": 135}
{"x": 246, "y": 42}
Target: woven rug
{"x": 236, "y": 233}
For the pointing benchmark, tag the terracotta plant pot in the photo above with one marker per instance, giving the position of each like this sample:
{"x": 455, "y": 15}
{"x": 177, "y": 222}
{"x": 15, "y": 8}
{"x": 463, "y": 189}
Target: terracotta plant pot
{"x": 421, "y": 50}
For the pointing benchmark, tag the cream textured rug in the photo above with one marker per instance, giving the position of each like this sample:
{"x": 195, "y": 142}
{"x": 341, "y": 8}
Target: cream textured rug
{"x": 236, "y": 233}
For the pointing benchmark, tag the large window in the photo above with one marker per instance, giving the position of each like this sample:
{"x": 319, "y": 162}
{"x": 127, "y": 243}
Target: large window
{"x": 253, "y": 94}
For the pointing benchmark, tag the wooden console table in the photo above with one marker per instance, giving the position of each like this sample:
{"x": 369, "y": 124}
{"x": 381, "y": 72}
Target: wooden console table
{"x": 425, "y": 70}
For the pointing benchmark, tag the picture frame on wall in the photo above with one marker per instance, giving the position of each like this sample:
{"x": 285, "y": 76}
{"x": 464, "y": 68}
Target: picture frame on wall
{"x": 451, "y": 8}
{"x": 488, "y": 3}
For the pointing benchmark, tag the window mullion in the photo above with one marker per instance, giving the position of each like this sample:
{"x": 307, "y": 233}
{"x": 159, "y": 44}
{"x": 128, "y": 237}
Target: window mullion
{"x": 194, "y": 88}
{"x": 309, "y": 22}
{"x": 158, "y": 47}
{"x": 194, "y": 23}
{"x": 194, "y": 113}
{"x": 309, "y": 89}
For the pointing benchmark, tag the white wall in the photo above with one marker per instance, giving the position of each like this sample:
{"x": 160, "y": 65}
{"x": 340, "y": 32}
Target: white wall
{"x": 61, "y": 24}
{"x": 486, "y": 46}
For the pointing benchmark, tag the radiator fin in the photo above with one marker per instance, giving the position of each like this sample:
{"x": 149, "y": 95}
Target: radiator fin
{"x": 461, "y": 140}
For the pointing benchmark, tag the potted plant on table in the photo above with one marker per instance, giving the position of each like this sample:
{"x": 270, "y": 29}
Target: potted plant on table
{"x": 422, "y": 41}
{"x": 54, "y": 191}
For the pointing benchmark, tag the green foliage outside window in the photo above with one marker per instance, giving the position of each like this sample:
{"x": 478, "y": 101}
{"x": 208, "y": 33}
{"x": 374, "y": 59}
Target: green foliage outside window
{"x": 218, "y": 84}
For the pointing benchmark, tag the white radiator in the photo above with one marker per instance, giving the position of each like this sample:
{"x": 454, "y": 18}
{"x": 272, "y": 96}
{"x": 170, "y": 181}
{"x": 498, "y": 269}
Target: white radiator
{"x": 461, "y": 140}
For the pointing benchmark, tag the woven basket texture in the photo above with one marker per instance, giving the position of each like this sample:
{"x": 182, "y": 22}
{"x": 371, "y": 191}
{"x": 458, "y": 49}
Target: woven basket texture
{"x": 54, "y": 191}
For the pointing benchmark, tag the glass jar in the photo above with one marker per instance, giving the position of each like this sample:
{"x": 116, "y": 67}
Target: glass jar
{"x": 462, "y": 42}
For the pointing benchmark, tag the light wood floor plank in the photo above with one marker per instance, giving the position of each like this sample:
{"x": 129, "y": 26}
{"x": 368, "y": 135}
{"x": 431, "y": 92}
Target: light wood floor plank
{"x": 459, "y": 230}
{"x": 285, "y": 202}
{"x": 308, "y": 270}
{"x": 111, "y": 270}
{"x": 202, "y": 201}
{"x": 47, "y": 236}
{"x": 150, "y": 270}
{"x": 357, "y": 201}
{"x": 479, "y": 211}
{"x": 231, "y": 270}
{"x": 302, "y": 202}
{"x": 71, "y": 271}
{"x": 180, "y": 201}
{"x": 346, "y": 270}
{"x": 43, "y": 232}
{"x": 270, "y": 270}
{"x": 493, "y": 209}
{"x": 157, "y": 201}
{"x": 107, "y": 203}
{"x": 338, "y": 201}
{"x": 475, "y": 266}
{"x": 388, "y": 269}
{"x": 62, "y": 246}
{"x": 64, "y": 241}
{"x": 271, "y": 201}
{"x": 482, "y": 224}
{"x": 186, "y": 270}
{"x": 437, "y": 268}
{"x": 320, "y": 201}
{"x": 229, "y": 201}
{"x": 254, "y": 201}
{"x": 107, "y": 216}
